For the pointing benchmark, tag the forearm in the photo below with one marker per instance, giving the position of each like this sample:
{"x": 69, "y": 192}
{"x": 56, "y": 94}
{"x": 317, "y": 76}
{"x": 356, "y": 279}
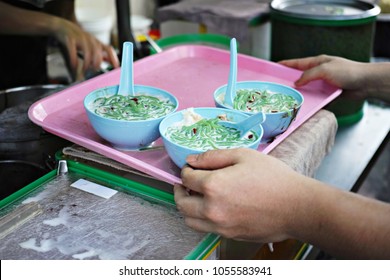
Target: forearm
{"x": 62, "y": 8}
{"x": 344, "y": 224}
{"x": 16, "y": 21}
{"x": 377, "y": 80}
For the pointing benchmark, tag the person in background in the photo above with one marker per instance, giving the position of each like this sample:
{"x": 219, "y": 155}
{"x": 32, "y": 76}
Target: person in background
{"x": 246, "y": 195}
{"x": 25, "y": 28}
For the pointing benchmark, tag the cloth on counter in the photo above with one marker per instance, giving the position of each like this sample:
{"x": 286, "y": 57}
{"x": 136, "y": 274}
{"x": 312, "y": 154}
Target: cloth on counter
{"x": 229, "y": 17}
{"x": 303, "y": 150}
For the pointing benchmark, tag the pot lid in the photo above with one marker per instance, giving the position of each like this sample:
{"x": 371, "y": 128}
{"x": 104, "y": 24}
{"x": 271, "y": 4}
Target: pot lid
{"x": 325, "y": 10}
{"x": 15, "y": 126}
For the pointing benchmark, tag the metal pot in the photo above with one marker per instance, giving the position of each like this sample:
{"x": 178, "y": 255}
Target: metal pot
{"x": 311, "y": 27}
{"x": 16, "y": 174}
{"x": 302, "y": 28}
{"x": 20, "y": 139}
{"x": 17, "y": 96}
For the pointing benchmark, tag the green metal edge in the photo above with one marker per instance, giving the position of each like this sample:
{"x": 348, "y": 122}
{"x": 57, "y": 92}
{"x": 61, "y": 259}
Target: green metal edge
{"x": 350, "y": 119}
{"x": 192, "y": 39}
{"x": 319, "y": 22}
{"x": 203, "y": 249}
{"x": 301, "y": 251}
{"x": 27, "y": 189}
{"x": 77, "y": 167}
{"x": 199, "y": 252}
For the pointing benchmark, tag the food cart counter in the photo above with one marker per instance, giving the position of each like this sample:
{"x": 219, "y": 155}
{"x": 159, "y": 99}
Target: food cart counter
{"x": 54, "y": 219}
{"x": 186, "y": 72}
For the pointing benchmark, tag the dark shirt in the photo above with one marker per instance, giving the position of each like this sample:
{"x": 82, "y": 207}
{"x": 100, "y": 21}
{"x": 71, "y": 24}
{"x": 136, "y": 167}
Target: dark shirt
{"x": 22, "y": 58}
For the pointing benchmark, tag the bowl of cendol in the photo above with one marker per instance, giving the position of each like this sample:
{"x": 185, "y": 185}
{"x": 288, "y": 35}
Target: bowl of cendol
{"x": 279, "y": 103}
{"x": 196, "y": 130}
{"x": 129, "y": 122}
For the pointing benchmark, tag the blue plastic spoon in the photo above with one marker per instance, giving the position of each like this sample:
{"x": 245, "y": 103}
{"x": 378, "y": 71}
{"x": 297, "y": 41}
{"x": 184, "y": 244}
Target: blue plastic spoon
{"x": 231, "y": 86}
{"x": 126, "y": 84}
{"x": 246, "y": 125}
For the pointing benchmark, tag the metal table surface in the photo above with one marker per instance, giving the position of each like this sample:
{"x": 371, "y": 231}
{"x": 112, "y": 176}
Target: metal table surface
{"x": 355, "y": 149}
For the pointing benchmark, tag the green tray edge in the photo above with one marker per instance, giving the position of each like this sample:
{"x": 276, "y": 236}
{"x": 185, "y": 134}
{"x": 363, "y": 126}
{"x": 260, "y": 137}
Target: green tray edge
{"x": 208, "y": 243}
{"x": 201, "y": 251}
{"x": 27, "y": 189}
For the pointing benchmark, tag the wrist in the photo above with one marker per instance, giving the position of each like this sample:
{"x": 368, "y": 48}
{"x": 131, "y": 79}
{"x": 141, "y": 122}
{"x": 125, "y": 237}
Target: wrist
{"x": 376, "y": 83}
{"x": 310, "y": 204}
{"x": 300, "y": 209}
{"x": 51, "y": 25}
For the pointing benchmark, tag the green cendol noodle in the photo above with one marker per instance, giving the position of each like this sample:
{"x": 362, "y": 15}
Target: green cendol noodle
{"x": 253, "y": 100}
{"x": 132, "y": 108}
{"x": 208, "y": 134}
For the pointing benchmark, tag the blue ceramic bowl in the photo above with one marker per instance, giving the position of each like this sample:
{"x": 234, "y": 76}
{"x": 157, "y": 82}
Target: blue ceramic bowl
{"x": 179, "y": 153}
{"x": 122, "y": 134}
{"x": 275, "y": 123}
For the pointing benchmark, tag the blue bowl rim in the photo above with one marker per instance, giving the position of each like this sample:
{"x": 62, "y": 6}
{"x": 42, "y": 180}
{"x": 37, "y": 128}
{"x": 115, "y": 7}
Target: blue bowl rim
{"x": 131, "y": 121}
{"x": 202, "y": 108}
{"x": 264, "y": 83}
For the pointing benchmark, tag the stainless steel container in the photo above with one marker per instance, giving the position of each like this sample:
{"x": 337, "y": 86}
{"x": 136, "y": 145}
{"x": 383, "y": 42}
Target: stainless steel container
{"x": 311, "y": 27}
{"x": 20, "y": 139}
{"x": 15, "y": 96}
{"x": 302, "y": 28}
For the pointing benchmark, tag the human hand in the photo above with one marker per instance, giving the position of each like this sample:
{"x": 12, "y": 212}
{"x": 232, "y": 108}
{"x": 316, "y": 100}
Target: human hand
{"x": 357, "y": 79}
{"x": 240, "y": 194}
{"x": 76, "y": 41}
{"x": 340, "y": 72}
{"x": 246, "y": 195}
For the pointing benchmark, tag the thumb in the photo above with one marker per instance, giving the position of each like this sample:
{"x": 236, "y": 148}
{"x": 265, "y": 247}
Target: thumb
{"x": 215, "y": 159}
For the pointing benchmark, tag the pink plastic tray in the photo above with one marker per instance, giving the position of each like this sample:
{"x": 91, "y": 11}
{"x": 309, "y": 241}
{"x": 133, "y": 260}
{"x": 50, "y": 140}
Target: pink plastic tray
{"x": 191, "y": 73}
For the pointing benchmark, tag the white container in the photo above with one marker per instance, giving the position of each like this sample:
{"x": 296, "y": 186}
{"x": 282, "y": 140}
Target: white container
{"x": 258, "y": 41}
{"x": 96, "y": 22}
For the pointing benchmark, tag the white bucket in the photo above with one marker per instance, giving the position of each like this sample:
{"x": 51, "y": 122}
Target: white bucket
{"x": 96, "y": 22}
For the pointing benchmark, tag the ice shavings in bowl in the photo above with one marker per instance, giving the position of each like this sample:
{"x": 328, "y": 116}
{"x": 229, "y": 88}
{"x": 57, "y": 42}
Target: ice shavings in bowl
{"x": 204, "y": 134}
{"x": 255, "y": 100}
{"x": 139, "y": 107}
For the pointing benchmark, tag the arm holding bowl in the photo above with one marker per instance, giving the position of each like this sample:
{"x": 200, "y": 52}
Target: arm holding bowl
{"x": 246, "y": 195}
